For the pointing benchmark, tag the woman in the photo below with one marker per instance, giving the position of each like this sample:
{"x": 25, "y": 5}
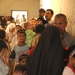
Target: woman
{"x": 47, "y": 59}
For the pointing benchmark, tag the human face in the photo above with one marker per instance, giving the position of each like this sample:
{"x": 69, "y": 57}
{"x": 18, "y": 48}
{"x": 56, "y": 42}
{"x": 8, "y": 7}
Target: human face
{"x": 33, "y": 23}
{"x": 17, "y": 28}
{"x": 21, "y": 37}
{"x": 23, "y": 61}
{"x": 60, "y": 24}
{"x": 42, "y": 13}
{"x": 48, "y": 15}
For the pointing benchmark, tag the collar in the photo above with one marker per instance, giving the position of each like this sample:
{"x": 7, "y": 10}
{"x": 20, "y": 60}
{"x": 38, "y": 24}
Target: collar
{"x": 71, "y": 68}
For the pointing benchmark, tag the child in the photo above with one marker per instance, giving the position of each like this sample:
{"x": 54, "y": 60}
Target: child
{"x": 70, "y": 68}
{"x": 19, "y": 70}
{"x": 23, "y": 61}
{"x": 14, "y": 40}
{"x": 29, "y": 34}
{"x": 3, "y": 59}
{"x": 39, "y": 28}
{"x": 33, "y": 22}
{"x": 21, "y": 47}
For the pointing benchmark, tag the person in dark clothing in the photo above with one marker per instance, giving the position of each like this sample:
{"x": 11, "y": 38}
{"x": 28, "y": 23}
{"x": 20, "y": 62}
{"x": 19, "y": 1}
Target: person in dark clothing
{"x": 47, "y": 58}
{"x": 41, "y": 16}
{"x": 67, "y": 53}
{"x": 3, "y": 22}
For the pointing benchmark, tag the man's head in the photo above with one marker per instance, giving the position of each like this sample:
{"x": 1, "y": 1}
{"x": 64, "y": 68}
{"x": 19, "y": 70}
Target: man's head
{"x": 60, "y": 21}
{"x": 48, "y": 14}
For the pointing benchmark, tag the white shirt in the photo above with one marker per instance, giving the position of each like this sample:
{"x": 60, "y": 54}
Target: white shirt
{"x": 3, "y": 68}
{"x": 68, "y": 71}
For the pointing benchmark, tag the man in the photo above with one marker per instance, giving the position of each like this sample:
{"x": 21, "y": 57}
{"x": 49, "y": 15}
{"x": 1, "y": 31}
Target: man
{"x": 3, "y": 60}
{"x": 48, "y": 15}
{"x": 60, "y": 21}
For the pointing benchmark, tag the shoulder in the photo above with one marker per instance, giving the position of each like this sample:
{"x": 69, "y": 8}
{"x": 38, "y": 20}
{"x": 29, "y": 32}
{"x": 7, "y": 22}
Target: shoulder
{"x": 67, "y": 71}
{"x": 70, "y": 38}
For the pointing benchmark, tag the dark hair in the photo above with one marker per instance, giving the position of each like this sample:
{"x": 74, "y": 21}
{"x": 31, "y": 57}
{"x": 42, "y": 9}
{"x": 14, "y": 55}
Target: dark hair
{"x": 19, "y": 67}
{"x": 18, "y": 26}
{"x": 39, "y": 28}
{"x": 2, "y": 45}
{"x": 51, "y": 11}
{"x": 41, "y": 10}
{"x": 23, "y": 56}
{"x": 21, "y": 31}
{"x": 69, "y": 51}
{"x": 2, "y": 34}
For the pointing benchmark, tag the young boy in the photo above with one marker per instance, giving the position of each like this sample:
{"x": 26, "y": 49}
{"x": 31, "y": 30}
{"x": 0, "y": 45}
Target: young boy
{"x": 3, "y": 59}
{"x": 14, "y": 40}
{"x": 19, "y": 70}
{"x": 70, "y": 68}
{"x": 21, "y": 47}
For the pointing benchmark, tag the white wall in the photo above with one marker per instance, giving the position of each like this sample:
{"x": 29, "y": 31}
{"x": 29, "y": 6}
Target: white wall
{"x": 32, "y": 6}
{"x": 63, "y": 6}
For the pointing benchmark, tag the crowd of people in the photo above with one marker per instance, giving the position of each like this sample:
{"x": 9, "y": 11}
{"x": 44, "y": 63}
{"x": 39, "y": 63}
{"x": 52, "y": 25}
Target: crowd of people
{"x": 39, "y": 46}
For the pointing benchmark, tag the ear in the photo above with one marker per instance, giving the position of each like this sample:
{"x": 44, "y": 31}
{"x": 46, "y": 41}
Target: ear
{"x": 2, "y": 52}
{"x": 65, "y": 24}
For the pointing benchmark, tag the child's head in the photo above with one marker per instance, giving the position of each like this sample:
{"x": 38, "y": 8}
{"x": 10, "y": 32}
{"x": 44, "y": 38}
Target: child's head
{"x": 33, "y": 22}
{"x": 39, "y": 21}
{"x": 23, "y": 59}
{"x": 72, "y": 58}
{"x": 18, "y": 27}
{"x": 27, "y": 25}
{"x": 41, "y": 12}
{"x": 39, "y": 28}
{"x": 19, "y": 70}
{"x": 21, "y": 36}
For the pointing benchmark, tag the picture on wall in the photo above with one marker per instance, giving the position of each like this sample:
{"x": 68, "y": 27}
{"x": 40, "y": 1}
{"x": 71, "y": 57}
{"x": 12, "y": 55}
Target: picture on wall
{"x": 19, "y": 15}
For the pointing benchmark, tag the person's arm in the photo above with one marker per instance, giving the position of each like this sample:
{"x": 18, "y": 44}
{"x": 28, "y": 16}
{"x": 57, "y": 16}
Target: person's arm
{"x": 12, "y": 55}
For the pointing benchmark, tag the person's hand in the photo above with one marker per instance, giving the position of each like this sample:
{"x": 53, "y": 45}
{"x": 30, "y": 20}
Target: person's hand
{"x": 5, "y": 58}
